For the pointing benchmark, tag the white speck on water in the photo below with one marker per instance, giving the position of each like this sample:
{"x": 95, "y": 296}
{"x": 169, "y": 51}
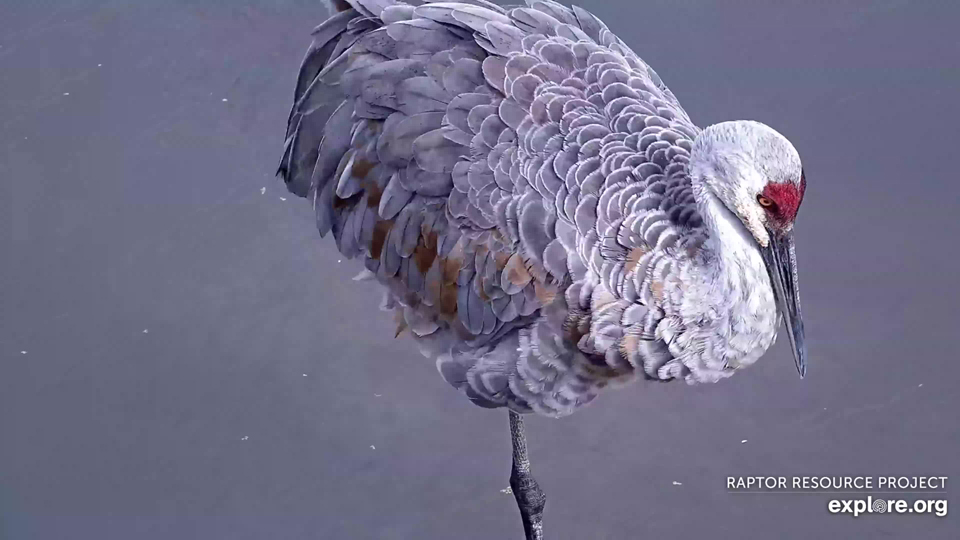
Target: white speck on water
{"x": 99, "y": 65}
{"x": 743, "y": 441}
{"x": 376, "y": 395}
{"x": 244, "y": 438}
{"x": 339, "y": 260}
{"x": 263, "y": 190}
{"x": 145, "y": 331}
{"x": 919, "y": 385}
{"x": 224, "y": 100}
{"x": 677, "y": 483}
{"x": 372, "y": 447}
{"x": 304, "y": 374}
{"x": 23, "y": 352}
{"x": 66, "y": 93}
{"x": 283, "y": 198}
{"x": 507, "y": 490}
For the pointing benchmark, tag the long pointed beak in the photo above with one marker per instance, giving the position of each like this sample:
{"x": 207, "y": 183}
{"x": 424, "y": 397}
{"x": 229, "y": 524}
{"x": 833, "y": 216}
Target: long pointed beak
{"x": 781, "y": 259}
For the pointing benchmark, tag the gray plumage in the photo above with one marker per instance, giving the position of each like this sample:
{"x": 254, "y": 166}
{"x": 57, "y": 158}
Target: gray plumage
{"x": 542, "y": 212}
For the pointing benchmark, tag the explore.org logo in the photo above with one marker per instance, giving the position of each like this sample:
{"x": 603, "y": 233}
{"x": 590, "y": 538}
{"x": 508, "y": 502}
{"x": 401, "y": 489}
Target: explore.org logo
{"x": 856, "y": 507}
{"x": 856, "y": 495}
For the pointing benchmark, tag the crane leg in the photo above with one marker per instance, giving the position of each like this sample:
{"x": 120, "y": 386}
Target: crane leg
{"x": 526, "y": 491}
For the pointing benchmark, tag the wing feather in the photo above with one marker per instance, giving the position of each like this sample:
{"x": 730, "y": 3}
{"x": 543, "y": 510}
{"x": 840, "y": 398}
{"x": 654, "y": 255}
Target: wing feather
{"x": 509, "y": 176}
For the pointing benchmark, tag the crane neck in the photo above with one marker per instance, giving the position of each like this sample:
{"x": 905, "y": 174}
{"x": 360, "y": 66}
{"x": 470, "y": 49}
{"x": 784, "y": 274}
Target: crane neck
{"x": 731, "y": 247}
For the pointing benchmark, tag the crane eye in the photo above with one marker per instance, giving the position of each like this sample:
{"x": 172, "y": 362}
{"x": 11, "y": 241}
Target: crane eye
{"x": 765, "y": 202}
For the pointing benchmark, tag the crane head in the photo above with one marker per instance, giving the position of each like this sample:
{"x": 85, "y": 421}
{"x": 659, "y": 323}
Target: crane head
{"x": 756, "y": 173}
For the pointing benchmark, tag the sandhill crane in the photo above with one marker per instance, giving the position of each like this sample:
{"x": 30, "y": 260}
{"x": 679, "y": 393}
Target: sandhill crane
{"x": 543, "y": 215}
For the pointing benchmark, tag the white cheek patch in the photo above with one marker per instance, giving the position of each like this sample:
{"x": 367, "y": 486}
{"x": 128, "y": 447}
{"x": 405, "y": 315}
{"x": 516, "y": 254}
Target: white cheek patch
{"x": 753, "y": 219}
